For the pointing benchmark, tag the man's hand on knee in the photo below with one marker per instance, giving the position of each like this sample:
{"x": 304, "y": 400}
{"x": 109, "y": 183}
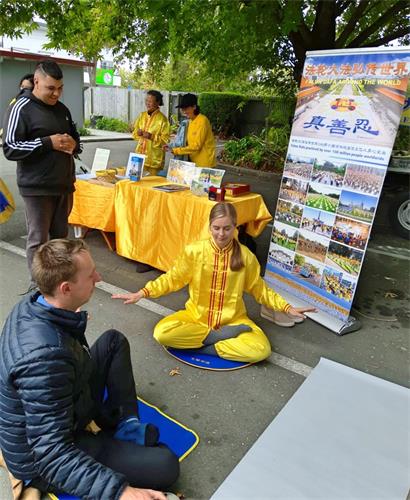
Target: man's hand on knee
{"x": 141, "y": 494}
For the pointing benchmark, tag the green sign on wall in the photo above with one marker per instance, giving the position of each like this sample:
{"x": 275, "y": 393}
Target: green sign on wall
{"x": 104, "y": 76}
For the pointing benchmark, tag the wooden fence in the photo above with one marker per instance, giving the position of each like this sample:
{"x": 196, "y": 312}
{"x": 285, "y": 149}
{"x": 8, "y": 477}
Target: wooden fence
{"x": 124, "y": 104}
{"x": 127, "y": 104}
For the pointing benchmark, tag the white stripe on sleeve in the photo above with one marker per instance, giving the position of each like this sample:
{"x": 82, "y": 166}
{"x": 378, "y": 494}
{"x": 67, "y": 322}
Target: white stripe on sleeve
{"x": 12, "y": 125}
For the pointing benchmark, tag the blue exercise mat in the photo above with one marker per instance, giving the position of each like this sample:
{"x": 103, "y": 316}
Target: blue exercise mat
{"x": 205, "y": 361}
{"x": 175, "y": 435}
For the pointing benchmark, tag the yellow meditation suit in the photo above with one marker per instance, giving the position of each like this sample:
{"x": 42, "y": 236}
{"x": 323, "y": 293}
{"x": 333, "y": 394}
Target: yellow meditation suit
{"x": 215, "y": 300}
{"x": 200, "y": 143}
{"x": 156, "y": 124}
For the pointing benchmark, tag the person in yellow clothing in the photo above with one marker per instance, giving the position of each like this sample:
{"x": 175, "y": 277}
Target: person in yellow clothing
{"x": 200, "y": 138}
{"x": 151, "y": 131}
{"x": 217, "y": 270}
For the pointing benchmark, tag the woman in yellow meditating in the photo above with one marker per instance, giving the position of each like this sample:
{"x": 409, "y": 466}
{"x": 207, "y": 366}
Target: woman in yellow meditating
{"x": 217, "y": 270}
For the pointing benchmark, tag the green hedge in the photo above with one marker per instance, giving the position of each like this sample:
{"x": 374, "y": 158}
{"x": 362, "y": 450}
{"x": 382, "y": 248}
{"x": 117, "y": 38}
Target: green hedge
{"x": 281, "y": 110}
{"x": 83, "y": 131}
{"x": 257, "y": 153}
{"x": 222, "y": 109}
{"x": 112, "y": 124}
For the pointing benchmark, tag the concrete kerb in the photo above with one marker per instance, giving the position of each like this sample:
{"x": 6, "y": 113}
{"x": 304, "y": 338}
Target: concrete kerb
{"x": 102, "y": 136}
{"x": 91, "y": 138}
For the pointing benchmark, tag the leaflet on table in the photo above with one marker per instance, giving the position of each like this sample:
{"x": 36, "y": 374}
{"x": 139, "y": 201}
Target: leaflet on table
{"x": 171, "y": 188}
{"x": 347, "y": 113}
{"x": 181, "y": 172}
{"x": 198, "y": 179}
{"x": 204, "y": 178}
{"x": 100, "y": 161}
{"x": 85, "y": 177}
{"x": 135, "y": 166}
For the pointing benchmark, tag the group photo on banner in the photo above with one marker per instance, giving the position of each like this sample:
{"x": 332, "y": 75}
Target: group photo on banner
{"x": 347, "y": 114}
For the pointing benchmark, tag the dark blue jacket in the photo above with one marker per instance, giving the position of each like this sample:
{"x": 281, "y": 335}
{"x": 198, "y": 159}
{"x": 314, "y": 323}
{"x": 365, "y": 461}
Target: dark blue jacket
{"x": 45, "y": 396}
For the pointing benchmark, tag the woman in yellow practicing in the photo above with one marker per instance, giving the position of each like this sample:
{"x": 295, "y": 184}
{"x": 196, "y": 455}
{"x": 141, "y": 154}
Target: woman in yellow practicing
{"x": 151, "y": 131}
{"x": 217, "y": 270}
{"x": 200, "y": 139}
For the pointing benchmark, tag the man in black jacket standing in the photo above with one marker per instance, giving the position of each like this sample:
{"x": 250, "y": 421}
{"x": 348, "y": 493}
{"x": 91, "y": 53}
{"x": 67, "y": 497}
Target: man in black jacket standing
{"x": 40, "y": 135}
{"x": 69, "y": 419}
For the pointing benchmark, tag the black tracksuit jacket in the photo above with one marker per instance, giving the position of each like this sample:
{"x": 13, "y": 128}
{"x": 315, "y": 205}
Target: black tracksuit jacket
{"x": 28, "y": 125}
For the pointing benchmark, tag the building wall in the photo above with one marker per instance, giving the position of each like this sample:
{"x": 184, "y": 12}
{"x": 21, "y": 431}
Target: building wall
{"x": 11, "y": 71}
{"x": 34, "y": 43}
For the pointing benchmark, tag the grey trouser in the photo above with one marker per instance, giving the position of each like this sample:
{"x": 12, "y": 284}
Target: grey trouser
{"x": 46, "y": 218}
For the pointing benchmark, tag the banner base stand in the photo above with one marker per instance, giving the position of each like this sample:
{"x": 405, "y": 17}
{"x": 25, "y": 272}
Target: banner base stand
{"x": 351, "y": 325}
{"x": 330, "y": 322}
{"x": 337, "y": 326}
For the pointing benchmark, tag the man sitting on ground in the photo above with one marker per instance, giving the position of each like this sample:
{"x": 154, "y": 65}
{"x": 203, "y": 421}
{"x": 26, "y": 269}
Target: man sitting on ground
{"x": 58, "y": 432}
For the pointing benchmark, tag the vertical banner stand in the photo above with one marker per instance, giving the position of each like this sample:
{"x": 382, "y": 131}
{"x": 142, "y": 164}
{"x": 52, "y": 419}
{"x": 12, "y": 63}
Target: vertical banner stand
{"x": 346, "y": 119}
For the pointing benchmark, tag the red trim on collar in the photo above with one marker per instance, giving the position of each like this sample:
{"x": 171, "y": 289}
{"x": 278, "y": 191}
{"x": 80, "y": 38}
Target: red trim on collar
{"x": 218, "y": 250}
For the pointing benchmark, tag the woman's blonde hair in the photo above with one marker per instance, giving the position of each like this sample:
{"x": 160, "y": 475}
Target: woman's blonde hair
{"x": 223, "y": 209}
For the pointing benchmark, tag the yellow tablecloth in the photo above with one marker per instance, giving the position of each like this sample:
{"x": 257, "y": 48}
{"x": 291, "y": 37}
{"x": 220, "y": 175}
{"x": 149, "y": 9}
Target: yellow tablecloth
{"x": 93, "y": 205}
{"x": 154, "y": 227}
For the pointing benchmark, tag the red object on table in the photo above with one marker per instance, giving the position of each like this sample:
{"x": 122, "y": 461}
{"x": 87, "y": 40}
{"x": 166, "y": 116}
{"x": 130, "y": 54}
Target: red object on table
{"x": 216, "y": 193}
{"x": 236, "y": 189}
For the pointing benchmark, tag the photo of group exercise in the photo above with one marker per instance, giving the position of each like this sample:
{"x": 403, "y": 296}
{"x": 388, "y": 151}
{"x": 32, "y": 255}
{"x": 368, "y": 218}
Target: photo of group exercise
{"x": 298, "y": 166}
{"x": 307, "y": 269}
{"x": 322, "y": 197}
{"x": 293, "y": 190}
{"x": 312, "y": 245}
{"x": 357, "y": 206}
{"x": 280, "y": 257}
{"x": 284, "y": 235}
{"x": 344, "y": 258}
{"x": 318, "y": 221}
{"x": 289, "y": 213}
{"x": 350, "y": 232}
{"x": 329, "y": 173}
{"x": 368, "y": 180}
{"x": 338, "y": 284}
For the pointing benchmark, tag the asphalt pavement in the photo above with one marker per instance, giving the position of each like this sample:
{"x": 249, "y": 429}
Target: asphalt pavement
{"x": 230, "y": 410}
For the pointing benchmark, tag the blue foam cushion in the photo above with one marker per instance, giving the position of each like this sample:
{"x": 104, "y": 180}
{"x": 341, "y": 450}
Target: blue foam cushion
{"x": 175, "y": 435}
{"x": 205, "y": 361}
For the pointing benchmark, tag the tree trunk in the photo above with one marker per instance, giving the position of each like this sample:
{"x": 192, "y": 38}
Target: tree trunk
{"x": 320, "y": 37}
{"x": 92, "y": 72}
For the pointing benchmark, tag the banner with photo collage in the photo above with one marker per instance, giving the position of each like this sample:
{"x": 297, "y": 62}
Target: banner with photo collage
{"x": 347, "y": 113}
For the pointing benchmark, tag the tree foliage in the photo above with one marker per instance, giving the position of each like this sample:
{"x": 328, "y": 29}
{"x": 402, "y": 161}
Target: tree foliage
{"x": 227, "y": 36}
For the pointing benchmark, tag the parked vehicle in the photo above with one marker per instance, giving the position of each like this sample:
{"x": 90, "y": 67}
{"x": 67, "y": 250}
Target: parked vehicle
{"x": 397, "y": 191}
